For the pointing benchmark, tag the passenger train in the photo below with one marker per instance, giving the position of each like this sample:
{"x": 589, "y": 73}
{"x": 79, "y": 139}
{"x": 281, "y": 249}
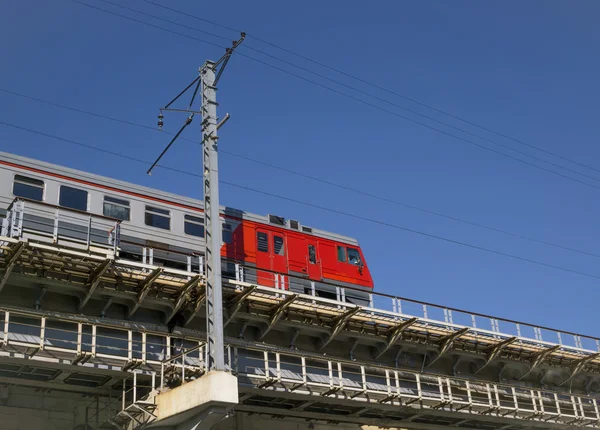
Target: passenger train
{"x": 276, "y": 252}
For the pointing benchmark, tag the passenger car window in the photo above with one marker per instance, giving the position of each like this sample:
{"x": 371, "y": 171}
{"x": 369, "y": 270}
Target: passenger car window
{"x": 312, "y": 254}
{"x": 227, "y": 235}
{"x": 341, "y": 252}
{"x": 28, "y": 187}
{"x": 116, "y": 208}
{"x": 278, "y": 246}
{"x": 159, "y": 218}
{"x": 353, "y": 256}
{"x": 262, "y": 242}
{"x": 73, "y": 198}
{"x": 193, "y": 225}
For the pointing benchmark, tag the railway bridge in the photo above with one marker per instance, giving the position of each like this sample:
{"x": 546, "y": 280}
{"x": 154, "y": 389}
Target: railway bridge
{"x": 90, "y": 339}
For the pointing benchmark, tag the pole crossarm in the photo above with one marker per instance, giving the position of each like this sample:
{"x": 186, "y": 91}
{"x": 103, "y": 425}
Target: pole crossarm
{"x": 446, "y": 343}
{"x": 395, "y": 334}
{"x": 579, "y": 365}
{"x": 145, "y": 288}
{"x": 539, "y": 358}
{"x": 11, "y": 263}
{"x": 238, "y": 302}
{"x": 495, "y": 351}
{"x": 339, "y": 324}
{"x": 278, "y": 312}
{"x": 191, "y": 284}
{"x": 94, "y": 281}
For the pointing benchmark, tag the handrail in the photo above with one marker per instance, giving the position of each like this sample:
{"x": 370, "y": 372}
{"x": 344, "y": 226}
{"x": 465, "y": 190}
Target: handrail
{"x": 421, "y": 302}
{"x": 183, "y": 353}
{"x": 55, "y": 206}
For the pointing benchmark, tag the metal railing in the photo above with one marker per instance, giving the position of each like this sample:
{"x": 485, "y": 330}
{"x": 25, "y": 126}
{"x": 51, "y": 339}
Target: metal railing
{"x": 183, "y": 367}
{"x": 425, "y": 310}
{"x": 32, "y": 219}
{"x": 334, "y": 379}
{"x": 270, "y": 369}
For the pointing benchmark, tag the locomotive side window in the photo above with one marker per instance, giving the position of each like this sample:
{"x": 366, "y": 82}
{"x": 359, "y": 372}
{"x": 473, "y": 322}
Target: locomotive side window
{"x": 278, "y": 245}
{"x": 116, "y": 208}
{"x": 159, "y": 218}
{"x": 28, "y": 187}
{"x": 262, "y": 242}
{"x": 193, "y": 225}
{"x": 73, "y": 198}
{"x": 226, "y": 233}
{"x": 341, "y": 252}
{"x": 353, "y": 256}
{"x": 312, "y": 254}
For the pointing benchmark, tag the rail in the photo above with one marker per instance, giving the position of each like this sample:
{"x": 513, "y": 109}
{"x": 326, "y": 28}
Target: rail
{"x": 339, "y": 381}
{"x": 431, "y": 311}
{"x": 30, "y": 219}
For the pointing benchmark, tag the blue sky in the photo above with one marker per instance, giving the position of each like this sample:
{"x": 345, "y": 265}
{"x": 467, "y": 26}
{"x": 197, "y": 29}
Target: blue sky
{"x": 527, "y": 69}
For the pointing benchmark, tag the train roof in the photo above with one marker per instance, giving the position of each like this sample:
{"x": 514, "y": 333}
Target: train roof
{"x": 168, "y": 198}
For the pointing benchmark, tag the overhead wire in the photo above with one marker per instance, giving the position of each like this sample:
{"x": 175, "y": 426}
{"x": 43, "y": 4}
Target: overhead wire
{"x": 379, "y": 87}
{"x": 359, "y": 91}
{"x": 360, "y": 100}
{"x": 313, "y": 205}
{"x": 313, "y": 178}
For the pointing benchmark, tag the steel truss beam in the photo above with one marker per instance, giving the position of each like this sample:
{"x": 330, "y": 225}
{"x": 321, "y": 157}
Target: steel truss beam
{"x": 94, "y": 281}
{"x": 197, "y": 306}
{"x": 339, "y": 324}
{"x": 185, "y": 291}
{"x": 495, "y": 351}
{"x": 578, "y": 367}
{"x": 238, "y": 302}
{"x": 145, "y": 289}
{"x": 278, "y": 312}
{"x": 395, "y": 334}
{"x": 539, "y": 358}
{"x": 446, "y": 343}
{"x": 11, "y": 263}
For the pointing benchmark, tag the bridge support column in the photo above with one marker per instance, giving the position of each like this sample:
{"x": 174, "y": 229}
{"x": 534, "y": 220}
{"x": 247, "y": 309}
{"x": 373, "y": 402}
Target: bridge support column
{"x": 197, "y": 405}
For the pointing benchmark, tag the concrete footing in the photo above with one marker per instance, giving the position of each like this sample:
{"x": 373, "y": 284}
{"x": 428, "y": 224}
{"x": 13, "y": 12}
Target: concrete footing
{"x": 197, "y": 405}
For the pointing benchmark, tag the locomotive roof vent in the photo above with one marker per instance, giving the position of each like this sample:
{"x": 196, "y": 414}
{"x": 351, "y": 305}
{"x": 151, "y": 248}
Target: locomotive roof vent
{"x": 306, "y": 229}
{"x": 294, "y": 224}
{"x": 277, "y": 220}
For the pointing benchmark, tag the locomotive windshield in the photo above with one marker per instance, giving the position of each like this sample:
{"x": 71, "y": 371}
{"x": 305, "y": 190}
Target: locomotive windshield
{"x": 354, "y": 257}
